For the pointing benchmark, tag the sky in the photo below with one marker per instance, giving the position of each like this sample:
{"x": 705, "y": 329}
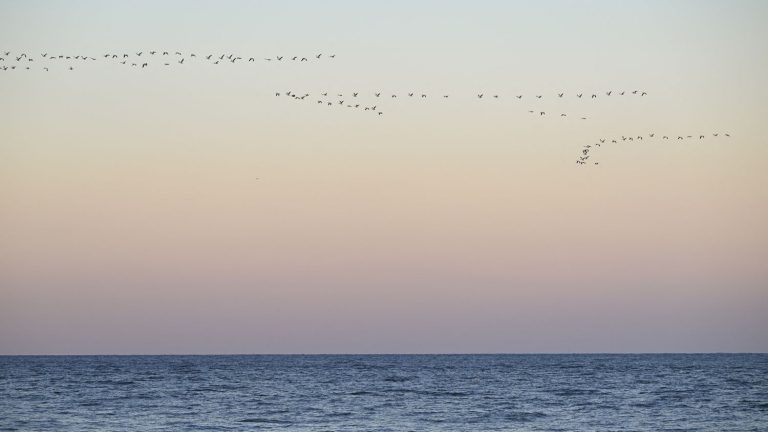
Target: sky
{"x": 188, "y": 209}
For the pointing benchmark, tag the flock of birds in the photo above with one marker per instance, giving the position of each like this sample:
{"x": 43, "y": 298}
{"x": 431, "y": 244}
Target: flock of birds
{"x": 370, "y": 101}
{"x": 354, "y": 99}
{"x": 589, "y": 149}
{"x": 10, "y": 61}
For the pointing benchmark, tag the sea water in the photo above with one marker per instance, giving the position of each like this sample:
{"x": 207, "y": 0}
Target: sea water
{"x": 696, "y": 392}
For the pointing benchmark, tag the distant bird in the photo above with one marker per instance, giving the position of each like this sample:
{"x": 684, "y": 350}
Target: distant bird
{"x": 560, "y": 95}
{"x": 542, "y": 113}
{"x": 480, "y": 96}
{"x": 377, "y": 94}
{"x": 519, "y": 96}
{"x": 579, "y": 95}
{"x": 410, "y": 94}
{"x": 333, "y": 55}
{"x": 279, "y": 58}
{"x": 608, "y": 93}
{"x": 538, "y": 96}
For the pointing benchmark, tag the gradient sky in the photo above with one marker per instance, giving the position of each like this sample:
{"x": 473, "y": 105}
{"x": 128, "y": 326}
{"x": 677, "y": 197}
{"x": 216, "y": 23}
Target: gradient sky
{"x": 188, "y": 210}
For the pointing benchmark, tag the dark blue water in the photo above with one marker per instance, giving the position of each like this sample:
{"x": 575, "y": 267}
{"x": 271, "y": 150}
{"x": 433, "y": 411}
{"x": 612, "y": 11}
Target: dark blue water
{"x": 721, "y": 392}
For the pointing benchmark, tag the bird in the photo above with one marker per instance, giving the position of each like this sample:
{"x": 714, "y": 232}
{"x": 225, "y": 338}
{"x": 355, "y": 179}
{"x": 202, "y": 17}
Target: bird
{"x": 608, "y": 93}
{"x": 542, "y": 113}
{"x": 643, "y": 94}
{"x": 560, "y": 95}
{"x": 594, "y": 96}
{"x": 354, "y": 94}
{"x": 423, "y": 95}
{"x": 579, "y": 95}
{"x": 538, "y": 96}
{"x": 519, "y": 96}
{"x": 318, "y": 56}
{"x": 377, "y": 94}
{"x": 480, "y": 96}
{"x": 333, "y": 55}
{"x": 410, "y": 94}
{"x": 279, "y": 58}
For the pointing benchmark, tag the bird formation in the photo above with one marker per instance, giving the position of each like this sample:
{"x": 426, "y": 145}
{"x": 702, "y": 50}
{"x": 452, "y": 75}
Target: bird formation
{"x": 369, "y": 101}
{"x": 588, "y": 150}
{"x": 354, "y": 99}
{"x": 10, "y": 61}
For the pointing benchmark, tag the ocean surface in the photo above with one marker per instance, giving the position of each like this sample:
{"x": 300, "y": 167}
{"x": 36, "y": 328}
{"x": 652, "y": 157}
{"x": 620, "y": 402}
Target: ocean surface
{"x": 668, "y": 392}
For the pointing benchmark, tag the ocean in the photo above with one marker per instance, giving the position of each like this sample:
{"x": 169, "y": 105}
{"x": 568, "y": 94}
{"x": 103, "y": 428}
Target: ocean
{"x": 650, "y": 392}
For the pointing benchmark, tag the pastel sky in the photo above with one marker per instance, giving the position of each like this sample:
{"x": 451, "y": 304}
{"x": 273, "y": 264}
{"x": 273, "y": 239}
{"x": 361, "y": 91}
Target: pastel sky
{"x": 189, "y": 210}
